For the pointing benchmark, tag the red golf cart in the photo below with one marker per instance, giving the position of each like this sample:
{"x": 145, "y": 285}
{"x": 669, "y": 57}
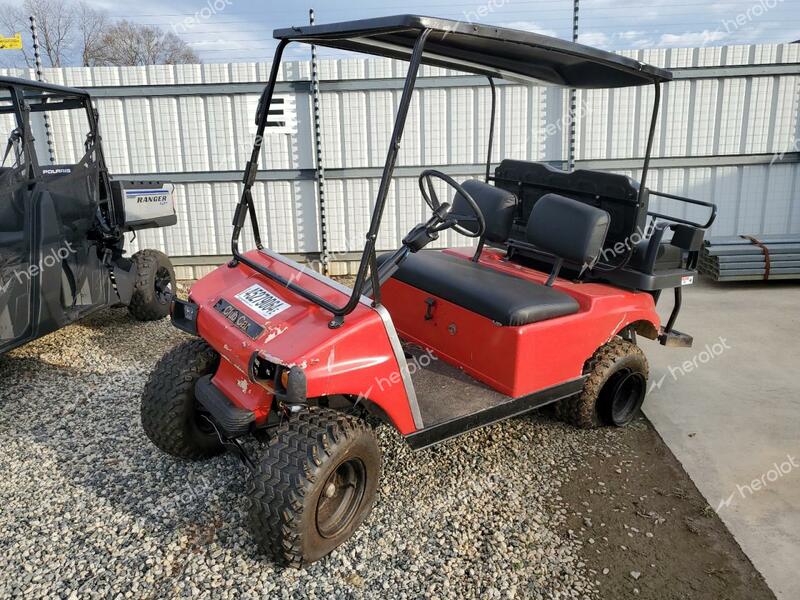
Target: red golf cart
{"x": 547, "y": 308}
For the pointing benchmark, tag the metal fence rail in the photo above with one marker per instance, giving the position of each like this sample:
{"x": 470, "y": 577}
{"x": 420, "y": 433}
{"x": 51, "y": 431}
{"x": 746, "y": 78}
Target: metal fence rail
{"x": 728, "y": 133}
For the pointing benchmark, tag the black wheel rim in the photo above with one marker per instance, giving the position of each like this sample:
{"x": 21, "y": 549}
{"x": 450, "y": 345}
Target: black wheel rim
{"x": 627, "y": 392}
{"x": 163, "y": 285}
{"x": 341, "y": 497}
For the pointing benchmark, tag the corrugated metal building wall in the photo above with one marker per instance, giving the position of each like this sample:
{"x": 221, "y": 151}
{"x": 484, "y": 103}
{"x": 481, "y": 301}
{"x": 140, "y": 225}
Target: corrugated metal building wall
{"x": 731, "y": 112}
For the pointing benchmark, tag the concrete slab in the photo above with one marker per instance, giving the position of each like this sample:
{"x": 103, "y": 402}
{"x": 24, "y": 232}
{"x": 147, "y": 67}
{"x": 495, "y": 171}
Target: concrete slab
{"x": 729, "y": 409}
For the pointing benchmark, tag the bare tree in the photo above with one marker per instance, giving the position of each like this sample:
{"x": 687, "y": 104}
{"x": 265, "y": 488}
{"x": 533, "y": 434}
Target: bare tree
{"x": 56, "y": 26}
{"x": 92, "y": 25}
{"x": 73, "y": 33}
{"x": 13, "y": 20}
{"x": 68, "y": 32}
{"x": 126, "y": 43}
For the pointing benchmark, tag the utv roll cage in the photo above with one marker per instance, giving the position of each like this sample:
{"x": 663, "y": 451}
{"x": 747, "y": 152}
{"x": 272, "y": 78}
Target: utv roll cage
{"x": 43, "y": 97}
{"x": 489, "y": 51}
{"x": 38, "y": 97}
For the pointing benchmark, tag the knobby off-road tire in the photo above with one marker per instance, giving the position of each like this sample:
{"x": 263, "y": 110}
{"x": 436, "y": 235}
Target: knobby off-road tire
{"x": 170, "y": 413}
{"x": 314, "y": 485}
{"x": 154, "y": 287}
{"x": 614, "y": 390}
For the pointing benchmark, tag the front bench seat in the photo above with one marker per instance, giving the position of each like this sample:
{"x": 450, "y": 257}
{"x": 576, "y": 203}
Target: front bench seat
{"x": 561, "y": 226}
{"x": 505, "y": 299}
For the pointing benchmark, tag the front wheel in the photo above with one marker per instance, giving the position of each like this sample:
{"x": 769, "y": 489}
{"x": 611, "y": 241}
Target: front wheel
{"x": 171, "y": 415}
{"x": 314, "y": 485}
{"x": 614, "y": 389}
{"x": 154, "y": 287}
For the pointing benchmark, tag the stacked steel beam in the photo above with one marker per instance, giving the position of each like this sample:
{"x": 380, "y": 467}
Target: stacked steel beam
{"x": 751, "y": 258}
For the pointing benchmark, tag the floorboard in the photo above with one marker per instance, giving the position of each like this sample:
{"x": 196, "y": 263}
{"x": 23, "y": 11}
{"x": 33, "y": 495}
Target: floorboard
{"x": 445, "y": 392}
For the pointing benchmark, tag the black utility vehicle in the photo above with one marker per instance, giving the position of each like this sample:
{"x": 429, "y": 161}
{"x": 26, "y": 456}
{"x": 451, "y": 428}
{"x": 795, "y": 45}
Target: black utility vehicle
{"x": 63, "y": 219}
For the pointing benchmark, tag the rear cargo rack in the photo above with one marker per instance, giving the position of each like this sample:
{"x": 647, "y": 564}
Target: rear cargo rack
{"x": 709, "y": 205}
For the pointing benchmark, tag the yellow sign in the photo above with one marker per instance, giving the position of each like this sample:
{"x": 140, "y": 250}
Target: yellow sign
{"x": 11, "y": 43}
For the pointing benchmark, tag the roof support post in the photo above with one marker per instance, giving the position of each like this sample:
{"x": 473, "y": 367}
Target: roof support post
{"x": 650, "y": 138}
{"x": 391, "y": 161}
{"x": 245, "y": 204}
{"x": 397, "y": 133}
{"x": 368, "y": 256}
{"x": 493, "y": 119}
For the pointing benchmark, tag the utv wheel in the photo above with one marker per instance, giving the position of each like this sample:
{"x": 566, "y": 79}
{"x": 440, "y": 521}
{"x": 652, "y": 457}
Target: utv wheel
{"x": 154, "y": 287}
{"x": 171, "y": 416}
{"x": 614, "y": 390}
{"x": 314, "y": 485}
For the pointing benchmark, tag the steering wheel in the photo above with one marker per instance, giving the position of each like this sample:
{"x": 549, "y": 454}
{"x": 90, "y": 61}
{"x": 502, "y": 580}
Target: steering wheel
{"x": 448, "y": 218}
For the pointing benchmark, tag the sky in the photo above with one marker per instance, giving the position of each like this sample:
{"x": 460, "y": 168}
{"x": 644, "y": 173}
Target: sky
{"x": 241, "y": 30}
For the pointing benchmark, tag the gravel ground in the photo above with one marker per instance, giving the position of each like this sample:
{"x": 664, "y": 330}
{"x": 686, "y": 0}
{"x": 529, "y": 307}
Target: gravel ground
{"x": 89, "y": 508}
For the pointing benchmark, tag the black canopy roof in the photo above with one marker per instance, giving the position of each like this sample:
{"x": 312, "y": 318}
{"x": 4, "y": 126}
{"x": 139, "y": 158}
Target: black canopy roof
{"x": 483, "y": 50}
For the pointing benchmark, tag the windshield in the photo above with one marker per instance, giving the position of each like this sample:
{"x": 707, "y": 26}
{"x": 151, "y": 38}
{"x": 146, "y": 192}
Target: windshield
{"x": 9, "y": 145}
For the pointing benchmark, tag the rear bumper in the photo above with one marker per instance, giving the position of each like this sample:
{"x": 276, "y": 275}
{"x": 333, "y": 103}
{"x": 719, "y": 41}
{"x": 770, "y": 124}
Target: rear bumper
{"x": 675, "y": 339}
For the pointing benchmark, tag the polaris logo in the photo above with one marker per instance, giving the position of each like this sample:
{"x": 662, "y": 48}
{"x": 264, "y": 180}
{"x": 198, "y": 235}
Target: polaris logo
{"x": 59, "y": 171}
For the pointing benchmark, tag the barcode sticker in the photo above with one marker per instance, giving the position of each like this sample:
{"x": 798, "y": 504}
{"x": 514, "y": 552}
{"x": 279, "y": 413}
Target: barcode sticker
{"x": 261, "y": 301}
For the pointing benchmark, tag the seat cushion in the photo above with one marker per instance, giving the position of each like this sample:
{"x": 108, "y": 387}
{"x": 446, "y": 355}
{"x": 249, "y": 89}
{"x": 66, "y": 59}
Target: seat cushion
{"x": 497, "y": 206}
{"x": 503, "y": 298}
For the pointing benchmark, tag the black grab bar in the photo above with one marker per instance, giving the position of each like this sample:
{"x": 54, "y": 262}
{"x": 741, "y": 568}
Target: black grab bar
{"x": 710, "y": 205}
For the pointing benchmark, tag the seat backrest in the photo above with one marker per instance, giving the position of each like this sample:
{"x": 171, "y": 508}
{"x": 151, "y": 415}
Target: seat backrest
{"x": 568, "y": 229}
{"x": 617, "y": 194}
{"x": 498, "y": 208}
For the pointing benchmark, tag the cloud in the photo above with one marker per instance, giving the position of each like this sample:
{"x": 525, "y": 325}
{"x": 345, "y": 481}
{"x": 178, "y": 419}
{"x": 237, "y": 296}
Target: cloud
{"x": 630, "y": 35}
{"x": 641, "y": 39}
{"x": 692, "y": 38}
{"x": 643, "y": 43}
{"x": 531, "y": 26}
{"x": 619, "y": 40}
{"x": 598, "y": 39}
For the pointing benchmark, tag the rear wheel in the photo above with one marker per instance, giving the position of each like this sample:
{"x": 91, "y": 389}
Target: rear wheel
{"x": 614, "y": 389}
{"x": 314, "y": 486}
{"x": 154, "y": 287}
{"x": 171, "y": 415}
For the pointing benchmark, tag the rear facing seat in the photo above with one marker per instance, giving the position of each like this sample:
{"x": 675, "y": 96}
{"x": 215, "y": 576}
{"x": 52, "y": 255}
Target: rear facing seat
{"x": 616, "y": 194}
